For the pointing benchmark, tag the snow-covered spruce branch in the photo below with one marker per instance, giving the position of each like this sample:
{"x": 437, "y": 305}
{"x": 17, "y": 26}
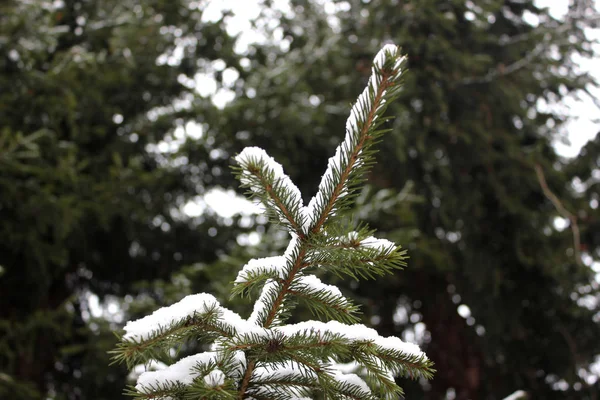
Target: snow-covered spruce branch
{"x": 262, "y": 357}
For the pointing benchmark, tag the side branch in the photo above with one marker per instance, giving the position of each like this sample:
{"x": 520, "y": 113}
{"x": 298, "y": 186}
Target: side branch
{"x": 385, "y": 84}
{"x": 281, "y": 205}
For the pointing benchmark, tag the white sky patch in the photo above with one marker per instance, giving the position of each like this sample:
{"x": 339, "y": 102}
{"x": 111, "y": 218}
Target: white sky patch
{"x": 195, "y": 208}
{"x": 464, "y": 311}
{"x": 206, "y": 85}
{"x": 560, "y": 224}
{"x": 227, "y": 204}
{"x": 110, "y": 309}
{"x": 558, "y": 8}
{"x": 582, "y": 127}
{"x": 173, "y": 141}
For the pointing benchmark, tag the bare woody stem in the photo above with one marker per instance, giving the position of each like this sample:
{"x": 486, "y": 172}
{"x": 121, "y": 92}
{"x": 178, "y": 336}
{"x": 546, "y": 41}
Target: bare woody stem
{"x": 298, "y": 262}
{"x": 562, "y": 211}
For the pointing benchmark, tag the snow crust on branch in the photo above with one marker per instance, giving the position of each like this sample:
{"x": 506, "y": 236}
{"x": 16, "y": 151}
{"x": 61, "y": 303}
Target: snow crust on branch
{"x": 382, "y": 55}
{"x": 380, "y": 244}
{"x": 281, "y": 370}
{"x": 270, "y": 287}
{"x": 183, "y": 372}
{"x": 351, "y": 379}
{"x": 293, "y": 369}
{"x": 356, "y": 332}
{"x": 144, "y": 328}
{"x": 355, "y": 123}
{"x": 314, "y": 284}
{"x": 216, "y": 377}
{"x": 253, "y": 154}
{"x": 275, "y": 265}
{"x": 269, "y": 290}
{"x": 150, "y": 365}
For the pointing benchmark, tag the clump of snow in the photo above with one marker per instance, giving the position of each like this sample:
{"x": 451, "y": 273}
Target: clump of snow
{"x": 152, "y": 365}
{"x": 382, "y": 55}
{"x": 257, "y": 155}
{"x": 239, "y": 358}
{"x": 292, "y": 248}
{"x": 352, "y": 236}
{"x": 314, "y": 284}
{"x": 282, "y": 370}
{"x": 183, "y": 372}
{"x": 356, "y": 332}
{"x": 380, "y": 244}
{"x": 352, "y": 379}
{"x": 144, "y": 328}
{"x": 275, "y": 265}
{"x": 290, "y": 369}
{"x": 216, "y": 377}
{"x": 269, "y": 290}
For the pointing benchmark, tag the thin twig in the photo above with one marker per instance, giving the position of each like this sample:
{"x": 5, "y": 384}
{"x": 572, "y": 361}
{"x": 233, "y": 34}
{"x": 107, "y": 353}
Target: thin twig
{"x": 562, "y": 211}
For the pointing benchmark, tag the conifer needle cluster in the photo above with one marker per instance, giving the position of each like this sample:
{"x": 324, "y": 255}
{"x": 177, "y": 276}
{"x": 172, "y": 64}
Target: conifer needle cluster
{"x": 262, "y": 357}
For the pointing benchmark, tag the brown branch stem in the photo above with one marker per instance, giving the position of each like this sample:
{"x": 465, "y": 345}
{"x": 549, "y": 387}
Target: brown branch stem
{"x": 562, "y": 211}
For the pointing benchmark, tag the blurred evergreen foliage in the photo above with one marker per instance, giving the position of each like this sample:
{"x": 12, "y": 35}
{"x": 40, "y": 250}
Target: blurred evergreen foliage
{"x": 87, "y": 204}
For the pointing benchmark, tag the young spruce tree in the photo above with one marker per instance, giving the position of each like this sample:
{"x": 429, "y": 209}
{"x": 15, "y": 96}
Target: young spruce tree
{"x": 262, "y": 357}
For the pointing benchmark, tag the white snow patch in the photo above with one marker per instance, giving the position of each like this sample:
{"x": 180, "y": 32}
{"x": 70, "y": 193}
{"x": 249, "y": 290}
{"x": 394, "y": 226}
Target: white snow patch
{"x": 275, "y": 265}
{"x": 314, "y": 284}
{"x": 260, "y": 306}
{"x": 519, "y": 394}
{"x": 182, "y": 371}
{"x": 352, "y": 379}
{"x": 382, "y": 55}
{"x": 152, "y": 365}
{"x": 256, "y": 155}
{"x": 143, "y": 329}
{"x": 356, "y": 332}
{"x": 282, "y": 370}
{"x": 216, "y": 377}
{"x": 383, "y": 245}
